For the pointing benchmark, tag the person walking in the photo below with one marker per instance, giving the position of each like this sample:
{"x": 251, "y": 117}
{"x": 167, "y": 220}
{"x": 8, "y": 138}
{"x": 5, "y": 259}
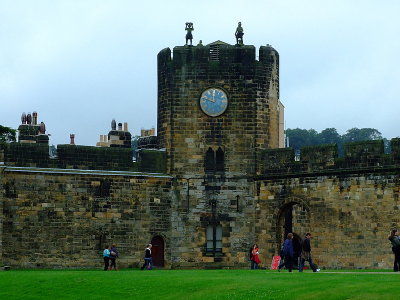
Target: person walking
{"x": 306, "y": 254}
{"x": 288, "y": 252}
{"x": 106, "y": 257}
{"x": 395, "y": 240}
{"x": 113, "y": 257}
{"x": 282, "y": 260}
{"x": 254, "y": 258}
{"x": 148, "y": 263}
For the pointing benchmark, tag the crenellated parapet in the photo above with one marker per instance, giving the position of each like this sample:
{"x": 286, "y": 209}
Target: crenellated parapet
{"x": 216, "y": 56}
{"x": 358, "y": 156}
{"x": 148, "y": 142}
{"x": 34, "y": 155}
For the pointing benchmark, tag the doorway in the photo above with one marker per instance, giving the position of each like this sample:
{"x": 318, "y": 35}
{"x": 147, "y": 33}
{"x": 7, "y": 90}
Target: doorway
{"x": 157, "y": 251}
{"x": 293, "y": 217}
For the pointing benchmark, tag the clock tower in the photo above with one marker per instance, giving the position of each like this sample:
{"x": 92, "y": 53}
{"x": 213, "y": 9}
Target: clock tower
{"x": 218, "y": 108}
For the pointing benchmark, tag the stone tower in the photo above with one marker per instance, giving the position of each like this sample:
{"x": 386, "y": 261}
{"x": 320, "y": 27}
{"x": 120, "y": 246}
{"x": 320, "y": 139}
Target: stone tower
{"x": 203, "y": 136}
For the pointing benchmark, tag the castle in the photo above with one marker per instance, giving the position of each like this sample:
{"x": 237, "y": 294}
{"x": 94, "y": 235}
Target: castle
{"x": 213, "y": 181}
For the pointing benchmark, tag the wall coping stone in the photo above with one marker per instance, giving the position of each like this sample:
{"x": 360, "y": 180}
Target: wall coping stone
{"x": 328, "y": 172}
{"x": 83, "y": 172}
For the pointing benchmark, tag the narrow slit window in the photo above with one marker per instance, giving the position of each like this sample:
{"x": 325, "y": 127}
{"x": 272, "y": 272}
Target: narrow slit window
{"x": 209, "y": 163}
{"x": 219, "y": 160}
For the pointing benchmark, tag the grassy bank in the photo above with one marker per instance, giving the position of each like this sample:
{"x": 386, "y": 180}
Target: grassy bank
{"x": 196, "y": 284}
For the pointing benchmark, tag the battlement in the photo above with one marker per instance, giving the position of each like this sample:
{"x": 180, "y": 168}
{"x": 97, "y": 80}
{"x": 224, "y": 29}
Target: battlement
{"x": 216, "y": 54}
{"x": 81, "y": 157}
{"x": 148, "y": 142}
{"x": 358, "y": 155}
{"x": 94, "y": 158}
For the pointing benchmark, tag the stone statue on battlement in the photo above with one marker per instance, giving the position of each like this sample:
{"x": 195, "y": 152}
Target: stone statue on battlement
{"x": 239, "y": 34}
{"x": 189, "y": 36}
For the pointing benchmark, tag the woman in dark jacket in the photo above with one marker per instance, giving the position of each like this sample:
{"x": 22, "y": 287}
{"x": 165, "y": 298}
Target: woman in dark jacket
{"x": 288, "y": 252}
{"x": 113, "y": 257}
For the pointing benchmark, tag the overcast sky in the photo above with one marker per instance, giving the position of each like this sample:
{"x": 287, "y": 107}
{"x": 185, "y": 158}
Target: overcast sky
{"x": 80, "y": 64}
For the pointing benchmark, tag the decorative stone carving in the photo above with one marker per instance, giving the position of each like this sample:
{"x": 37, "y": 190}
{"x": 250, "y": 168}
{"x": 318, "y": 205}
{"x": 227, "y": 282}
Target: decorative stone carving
{"x": 239, "y": 34}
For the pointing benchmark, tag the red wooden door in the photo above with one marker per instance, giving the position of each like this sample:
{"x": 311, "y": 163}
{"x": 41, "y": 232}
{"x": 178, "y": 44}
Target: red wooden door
{"x": 157, "y": 251}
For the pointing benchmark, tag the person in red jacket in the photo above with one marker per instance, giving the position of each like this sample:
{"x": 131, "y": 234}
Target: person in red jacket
{"x": 255, "y": 260}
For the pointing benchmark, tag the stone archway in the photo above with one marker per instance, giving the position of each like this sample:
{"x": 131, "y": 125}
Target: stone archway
{"x": 293, "y": 216}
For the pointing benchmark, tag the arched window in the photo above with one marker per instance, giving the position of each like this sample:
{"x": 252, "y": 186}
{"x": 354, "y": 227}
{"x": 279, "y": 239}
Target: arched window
{"x": 209, "y": 163}
{"x": 214, "y": 239}
{"x": 219, "y": 160}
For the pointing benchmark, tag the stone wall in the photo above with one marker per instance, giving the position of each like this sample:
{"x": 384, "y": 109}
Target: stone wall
{"x": 1, "y": 214}
{"x": 63, "y": 219}
{"x": 94, "y": 158}
{"x": 350, "y": 215}
{"x": 321, "y": 158}
{"x": 205, "y": 201}
{"x": 27, "y": 155}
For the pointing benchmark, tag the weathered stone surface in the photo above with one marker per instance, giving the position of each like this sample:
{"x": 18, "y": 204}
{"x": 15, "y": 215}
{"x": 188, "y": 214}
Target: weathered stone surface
{"x": 224, "y": 178}
{"x": 65, "y": 220}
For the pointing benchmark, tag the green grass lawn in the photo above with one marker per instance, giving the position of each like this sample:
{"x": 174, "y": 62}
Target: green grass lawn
{"x": 196, "y": 284}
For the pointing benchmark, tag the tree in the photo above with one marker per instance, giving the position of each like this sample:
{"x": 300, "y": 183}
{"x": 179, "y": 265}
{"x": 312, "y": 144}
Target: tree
{"x": 7, "y": 134}
{"x": 363, "y": 134}
{"x": 329, "y": 136}
{"x": 301, "y": 137}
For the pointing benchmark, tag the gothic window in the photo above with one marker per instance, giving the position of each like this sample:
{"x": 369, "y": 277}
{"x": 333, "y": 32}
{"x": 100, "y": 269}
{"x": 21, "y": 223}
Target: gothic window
{"x": 219, "y": 160}
{"x": 209, "y": 163}
{"x": 214, "y": 239}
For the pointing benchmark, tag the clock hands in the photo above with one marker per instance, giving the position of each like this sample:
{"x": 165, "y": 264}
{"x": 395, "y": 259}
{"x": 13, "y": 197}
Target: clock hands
{"x": 208, "y": 99}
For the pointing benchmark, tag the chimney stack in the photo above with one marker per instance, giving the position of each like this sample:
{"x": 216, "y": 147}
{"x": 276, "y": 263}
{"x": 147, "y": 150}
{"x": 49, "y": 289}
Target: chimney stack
{"x": 34, "y": 116}
{"x": 72, "y": 137}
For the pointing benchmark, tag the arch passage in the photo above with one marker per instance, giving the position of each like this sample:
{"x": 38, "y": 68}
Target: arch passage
{"x": 157, "y": 251}
{"x": 293, "y": 217}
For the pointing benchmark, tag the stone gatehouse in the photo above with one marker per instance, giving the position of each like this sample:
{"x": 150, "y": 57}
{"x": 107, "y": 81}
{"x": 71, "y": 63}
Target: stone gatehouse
{"x": 212, "y": 182}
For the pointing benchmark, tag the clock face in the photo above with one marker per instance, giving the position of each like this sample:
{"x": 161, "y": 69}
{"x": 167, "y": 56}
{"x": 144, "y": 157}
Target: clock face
{"x": 213, "y": 102}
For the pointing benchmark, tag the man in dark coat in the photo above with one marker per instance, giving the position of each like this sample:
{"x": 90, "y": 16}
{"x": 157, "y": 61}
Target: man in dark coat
{"x": 288, "y": 252}
{"x": 306, "y": 254}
